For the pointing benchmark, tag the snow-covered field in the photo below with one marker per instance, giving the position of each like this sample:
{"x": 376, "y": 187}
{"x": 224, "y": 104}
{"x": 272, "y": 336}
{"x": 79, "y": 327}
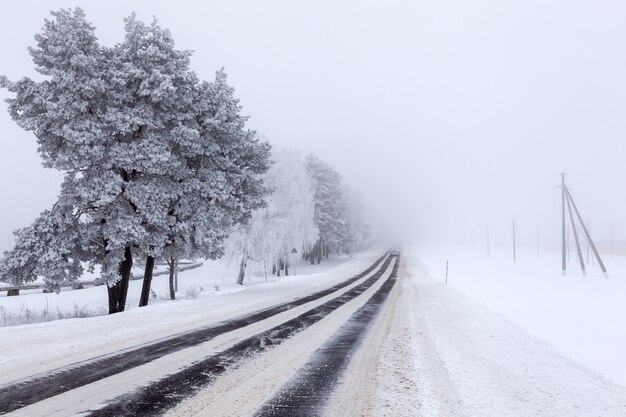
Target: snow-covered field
{"x": 581, "y": 316}
{"x": 436, "y": 352}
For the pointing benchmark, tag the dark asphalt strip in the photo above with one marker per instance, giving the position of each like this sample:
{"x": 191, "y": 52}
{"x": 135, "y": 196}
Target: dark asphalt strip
{"x": 40, "y": 387}
{"x": 307, "y": 393}
{"x": 166, "y": 393}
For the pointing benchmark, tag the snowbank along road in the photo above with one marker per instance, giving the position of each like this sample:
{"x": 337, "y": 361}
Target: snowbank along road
{"x": 177, "y": 374}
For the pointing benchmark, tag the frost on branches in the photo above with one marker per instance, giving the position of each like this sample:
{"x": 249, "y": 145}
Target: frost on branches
{"x": 284, "y": 224}
{"x": 309, "y": 209}
{"x": 338, "y": 213}
{"x": 330, "y": 213}
{"x": 44, "y": 248}
{"x": 157, "y": 164}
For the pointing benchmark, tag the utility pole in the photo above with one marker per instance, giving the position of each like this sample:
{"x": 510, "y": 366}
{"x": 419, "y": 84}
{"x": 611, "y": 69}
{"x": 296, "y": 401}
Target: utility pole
{"x": 588, "y": 228}
{"x": 474, "y": 240}
{"x": 578, "y": 251}
{"x": 563, "y": 259}
{"x": 587, "y": 235}
{"x": 513, "y": 226}
{"x": 537, "y": 240}
{"x": 612, "y": 241}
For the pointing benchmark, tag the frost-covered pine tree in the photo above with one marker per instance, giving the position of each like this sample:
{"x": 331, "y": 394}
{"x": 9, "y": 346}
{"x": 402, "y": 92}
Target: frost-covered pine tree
{"x": 287, "y": 222}
{"x": 152, "y": 114}
{"x": 223, "y": 184}
{"x": 330, "y": 214}
{"x": 358, "y": 230}
{"x": 153, "y": 158}
{"x": 45, "y": 248}
{"x": 62, "y": 111}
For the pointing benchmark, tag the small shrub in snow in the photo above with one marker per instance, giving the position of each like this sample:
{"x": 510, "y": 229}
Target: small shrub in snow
{"x": 29, "y": 316}
{"x": 192, "y": 293}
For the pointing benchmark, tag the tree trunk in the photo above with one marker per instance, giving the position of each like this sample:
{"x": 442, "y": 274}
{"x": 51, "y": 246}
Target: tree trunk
{"x": 172, "y": 264}
{"x": 313, "y": 253}
{"x": 118, "y": 292}
{"x": 242, "y": 269}
{"x": 147, "y": 281}
{"x": 286, "y": 268}
{"x": 319, "y": 252}
{"x": 273, "y": 269}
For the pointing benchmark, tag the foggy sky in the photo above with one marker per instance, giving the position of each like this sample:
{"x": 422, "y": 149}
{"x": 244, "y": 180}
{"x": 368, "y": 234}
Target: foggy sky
{"x": 447, "y": 116}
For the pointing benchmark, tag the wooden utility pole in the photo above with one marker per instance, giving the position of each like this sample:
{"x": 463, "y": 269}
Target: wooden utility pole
{"x": 513, "y": 226}
{"x": 474, "y": 240}
{"x": 563, "y": 258}
{"x": 567, "y": 245}
{"x": 587, "y": 235}
{"x": 578, "y": 251}
{"x": 537, "y": 240}
{"x": 588, "y": 228}
{"x": 612, "y": 241}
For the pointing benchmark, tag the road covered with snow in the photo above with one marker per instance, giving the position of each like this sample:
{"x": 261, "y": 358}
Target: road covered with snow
{"x": 374, "y": 336}
{"x": 37, "y": 370}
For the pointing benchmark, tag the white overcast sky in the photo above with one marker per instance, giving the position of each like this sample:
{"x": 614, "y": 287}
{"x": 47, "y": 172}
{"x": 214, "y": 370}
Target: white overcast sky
{"x": 448, "y": 116}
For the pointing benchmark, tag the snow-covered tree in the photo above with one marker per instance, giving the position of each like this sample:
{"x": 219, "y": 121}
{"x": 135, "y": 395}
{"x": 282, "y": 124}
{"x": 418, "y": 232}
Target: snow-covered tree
{"x": 156, "y": 163}
{"x": 223, "y": 184}
{"x": 63, "y": 111}
{"x": 45, "y": 248}
{"x": 358, "y": 231}
{"x": 285, "y": 223}
{"x": 331, "y": 212}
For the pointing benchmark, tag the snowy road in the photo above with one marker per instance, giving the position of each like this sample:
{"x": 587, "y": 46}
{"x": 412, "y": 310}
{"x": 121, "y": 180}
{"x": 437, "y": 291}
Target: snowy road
{"x": 58, "y": 381}
{"x": 391, "y": 341}
{"x": 161, "y": 373}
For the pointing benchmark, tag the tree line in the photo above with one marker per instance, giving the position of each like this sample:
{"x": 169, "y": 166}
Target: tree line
{"x": 157, "y": 165}
{"x": 309, "y": 214}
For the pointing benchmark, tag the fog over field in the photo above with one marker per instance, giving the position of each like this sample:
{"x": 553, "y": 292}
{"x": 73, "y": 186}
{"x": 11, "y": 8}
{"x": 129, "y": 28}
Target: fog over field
{"x": 447, "y": 116}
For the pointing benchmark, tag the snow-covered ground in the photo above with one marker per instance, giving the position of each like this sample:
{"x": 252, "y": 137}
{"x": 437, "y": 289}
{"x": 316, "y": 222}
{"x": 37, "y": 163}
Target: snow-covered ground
{"x": 29, "y": 349}
{"x": 581, "y": 316}
{"x": 496, "y": 341}
{"x": 436, "y": 352}
{"x": 34, "y": 349}
{"x": 212, "y": 279}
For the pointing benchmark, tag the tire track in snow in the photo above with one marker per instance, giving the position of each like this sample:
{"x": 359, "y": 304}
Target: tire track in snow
{"x": 29, "y": 391}
{"x": 160, "y": 396}
{"x": 307, "y": 393}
